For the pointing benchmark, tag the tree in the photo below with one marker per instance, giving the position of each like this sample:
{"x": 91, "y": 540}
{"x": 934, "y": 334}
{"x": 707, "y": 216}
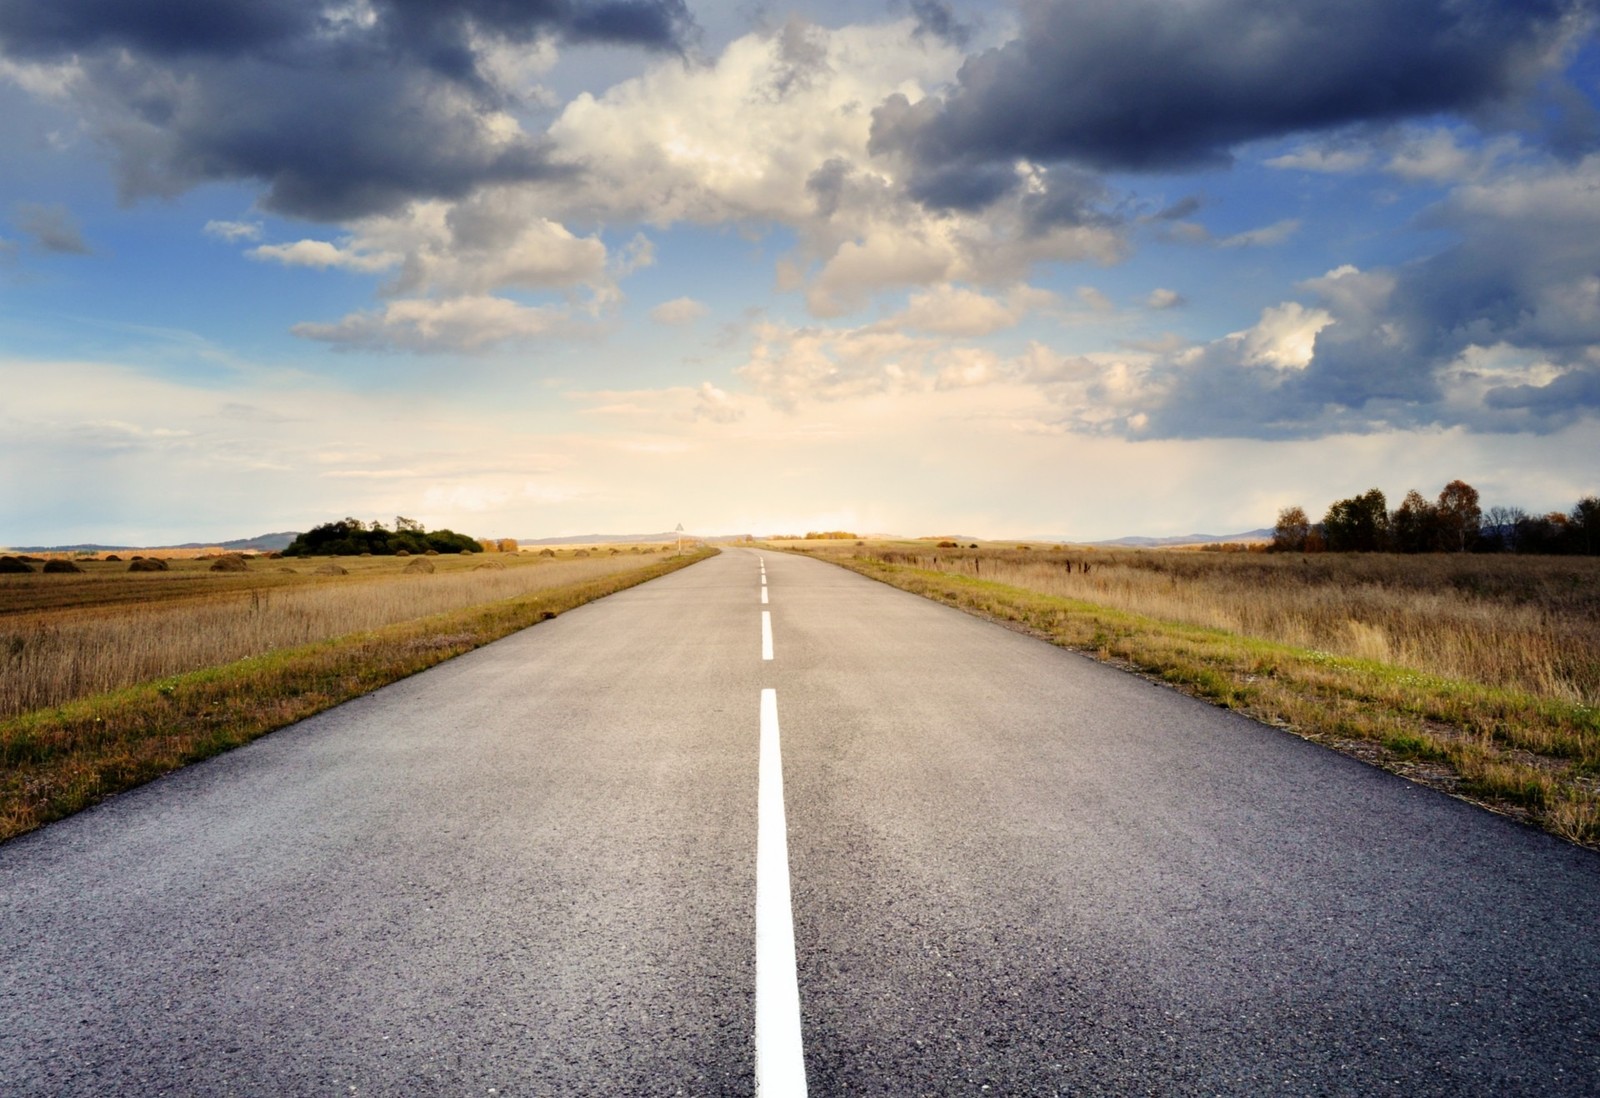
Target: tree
{"x": 1414, "y": 526}
{"x": 1498, "y": 531}
{"x": 1357, "y": 525}
{"x": 1291, "y": 531}
{"x": 1583, "y": 526}
{"x": 351, "y": 537}
{"x": 1459, "y": 517}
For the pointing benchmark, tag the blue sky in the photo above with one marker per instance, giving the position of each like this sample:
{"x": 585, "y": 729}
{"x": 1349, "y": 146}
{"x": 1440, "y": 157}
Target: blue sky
{"x": 529, "y": 269}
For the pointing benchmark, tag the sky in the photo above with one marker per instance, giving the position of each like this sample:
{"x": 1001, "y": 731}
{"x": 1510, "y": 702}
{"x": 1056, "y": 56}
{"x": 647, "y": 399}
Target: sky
{"x": 536, "y": 268}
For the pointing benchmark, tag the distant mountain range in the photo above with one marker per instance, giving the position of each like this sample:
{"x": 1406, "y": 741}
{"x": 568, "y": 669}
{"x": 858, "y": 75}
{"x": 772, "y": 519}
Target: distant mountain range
{"x": 614, "y": 539}
{"x": 1186, "y": 539}
{"x": 262, "y": 543}
{"x": 266, "y": 543}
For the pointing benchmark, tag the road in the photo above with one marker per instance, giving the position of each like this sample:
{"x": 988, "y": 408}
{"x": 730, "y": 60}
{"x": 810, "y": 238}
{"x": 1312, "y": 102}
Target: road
{"x": 533, "y": 870}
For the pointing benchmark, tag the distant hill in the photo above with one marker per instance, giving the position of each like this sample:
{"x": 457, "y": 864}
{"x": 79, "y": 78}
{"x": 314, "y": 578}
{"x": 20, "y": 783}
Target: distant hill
{"x": 261, "y": 543}
{"x": 264, "y": 543}
{"x": 592, "y": 539}
{"x": 1186, "y": 539}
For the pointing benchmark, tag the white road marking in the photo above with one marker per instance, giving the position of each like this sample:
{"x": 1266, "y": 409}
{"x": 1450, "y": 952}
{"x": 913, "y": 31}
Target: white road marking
{"x": 766, "y": 634}
{"x": 763, "y": 596}
{"x": 780, "y": 1058}
{"x": 763, "y": 579}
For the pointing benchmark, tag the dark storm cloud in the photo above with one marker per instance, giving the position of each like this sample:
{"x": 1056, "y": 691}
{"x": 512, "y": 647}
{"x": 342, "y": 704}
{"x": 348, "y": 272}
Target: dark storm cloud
{"x": 1149, "y": 84}
{"x": 340, "y": 112}
{"x": 937, "y": 19}
{"x": 52, "y": 228}
{"x": 1499, "y": 333}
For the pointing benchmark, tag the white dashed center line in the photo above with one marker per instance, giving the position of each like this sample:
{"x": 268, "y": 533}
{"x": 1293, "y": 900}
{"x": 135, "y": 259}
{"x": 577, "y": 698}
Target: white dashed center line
{"x": 766, "y": 634}
{"x": 780, "y": 1059}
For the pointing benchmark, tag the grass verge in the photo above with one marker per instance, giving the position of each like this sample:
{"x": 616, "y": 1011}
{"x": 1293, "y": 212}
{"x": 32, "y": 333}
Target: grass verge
{"x": 1532, "y": 758}
{"x": 54, "y": 762}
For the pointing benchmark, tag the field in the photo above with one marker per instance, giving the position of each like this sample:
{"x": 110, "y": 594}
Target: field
{"x": 69, "y": 636}
{"x": 1476, "y": 674}
{"x": 109, "y": 677}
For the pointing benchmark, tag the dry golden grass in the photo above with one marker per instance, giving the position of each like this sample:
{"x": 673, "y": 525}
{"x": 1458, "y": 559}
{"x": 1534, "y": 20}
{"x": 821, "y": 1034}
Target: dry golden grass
{"x": 57, "y": 759}
{"x": 108, "y": 630}
{"x": 1527, "y": 623}
{"x": 1474, "y": 675}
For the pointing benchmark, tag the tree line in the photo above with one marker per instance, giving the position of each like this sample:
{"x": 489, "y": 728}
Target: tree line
{"x": 350, "y": 537}
{"x": 1453, "y": 523}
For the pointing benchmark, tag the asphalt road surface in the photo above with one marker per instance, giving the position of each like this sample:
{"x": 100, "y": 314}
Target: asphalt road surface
{"x": 533, "y": 870}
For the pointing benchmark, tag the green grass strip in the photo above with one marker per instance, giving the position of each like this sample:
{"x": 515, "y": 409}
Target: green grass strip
{"x": 1536, "y": 759}
{"x": 55, "y": 762}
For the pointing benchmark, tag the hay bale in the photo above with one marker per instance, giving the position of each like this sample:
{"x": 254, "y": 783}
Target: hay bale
{"x": 402, "y": 552}
{"x": 331, "y": 569}
{"x": 489, "y": 565}
{"x": 25, "y": 559}
{"x": 112, "y": 556}
{"x": 288, "y": 570}
{"x": 420, "y": 566}
{"x": 14, "y": 566}
{"x": 147, "y": 564}
{"x": 431, "y": 553}
{"x": 581, "y": 553}
{"x": 61, "y": 566}
{"x": 229, "y": 562}
{"x": 547, "y": 552}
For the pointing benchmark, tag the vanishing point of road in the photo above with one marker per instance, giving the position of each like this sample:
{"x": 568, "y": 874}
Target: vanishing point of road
{"x": 766, "y": 800}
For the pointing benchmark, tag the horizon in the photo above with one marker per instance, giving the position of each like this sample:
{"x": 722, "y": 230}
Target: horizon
{"x": 793, "y": 268}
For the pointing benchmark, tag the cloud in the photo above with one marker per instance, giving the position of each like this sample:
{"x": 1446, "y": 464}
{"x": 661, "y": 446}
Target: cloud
{"x": 322, "y": 255}
{"x": 775, "y": 131}
{"x": 937, "y": 18}
{"x": 494, "y": 240}
{"x": 340, "y": 111}
{"x": 1162, "y": 298}
{"x": 679, "y": 311}
{"x": 1264, "y": 237}
{"x": 51, "y": 227}
{"x": 1497, "y": 333}
{"x": 1143, "y": 85}
{"x": 715, "y": 405}
{"x": 1324, "y": 159}
{"x": 454, "y": 325}
{"x": 957, "y": 311}
{"x": 233, "y": 231}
